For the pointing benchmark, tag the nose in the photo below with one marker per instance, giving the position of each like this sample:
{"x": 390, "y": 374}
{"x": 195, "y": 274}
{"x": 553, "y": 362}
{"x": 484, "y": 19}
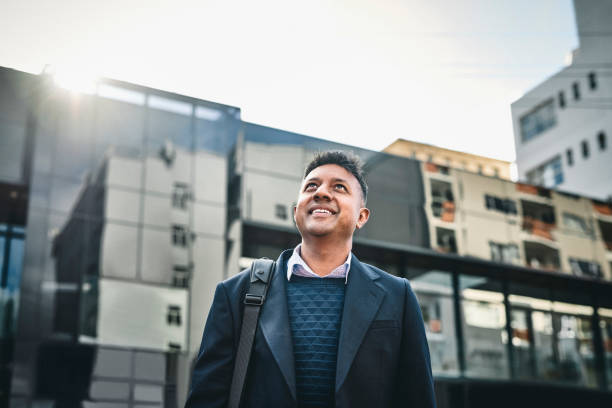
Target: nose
{"x": 322, "y": 192}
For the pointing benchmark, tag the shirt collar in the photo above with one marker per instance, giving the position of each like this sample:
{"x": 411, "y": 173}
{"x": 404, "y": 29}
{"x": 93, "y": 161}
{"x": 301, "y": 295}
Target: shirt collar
{"x": 296, "y": 261}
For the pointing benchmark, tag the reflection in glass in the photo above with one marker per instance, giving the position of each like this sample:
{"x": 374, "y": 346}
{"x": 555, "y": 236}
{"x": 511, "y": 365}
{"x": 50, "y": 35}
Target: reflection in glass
{"x": 12, "y": 146}
{"x": 118, "y": 124}
{"x": 121, "y": 94}
{"x": 123, "y": 172}
{"x": 170, "y": 105}
{"x": 545, "y": 359}
{"x": 164, "y": 126}
{"x": 119, "y": 251}
{"x": 101, "y": 390}
{"x": 484, "y": 328}
{"x": 434, "y": 293}
{"x": 210, "y": 136}
{"x": 149, "y": 393}
{"x": 12, "y": 246}
{"x": 559, "y": 344}
{"x": 158, "y": 255}
{"x": 575, "y": 345}
{"x": 149, "y": 366}
{"x": 64, "y": 194}
{"x": 202, "y": 112}
{"x": 2, "y": 244}
{"x": 74, "y": 139}
{"x": 524, "y": 366}
{"x": 15, "y": 263}
{"x": 605, "y": 325}
{"x": 44, "y": 146}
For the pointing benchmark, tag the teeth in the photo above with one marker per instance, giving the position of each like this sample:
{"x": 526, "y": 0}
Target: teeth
{"x": 321, "y": 211}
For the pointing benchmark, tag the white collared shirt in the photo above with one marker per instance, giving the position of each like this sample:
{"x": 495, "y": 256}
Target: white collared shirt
{"x": 297, "y": 266}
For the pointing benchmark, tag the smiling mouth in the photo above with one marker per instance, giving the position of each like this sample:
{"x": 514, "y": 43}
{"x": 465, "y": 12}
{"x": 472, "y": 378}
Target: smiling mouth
{"x": 322, "y": 211}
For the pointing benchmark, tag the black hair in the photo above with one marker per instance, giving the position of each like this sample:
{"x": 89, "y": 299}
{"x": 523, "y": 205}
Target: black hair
{"x": 346, "y": 160}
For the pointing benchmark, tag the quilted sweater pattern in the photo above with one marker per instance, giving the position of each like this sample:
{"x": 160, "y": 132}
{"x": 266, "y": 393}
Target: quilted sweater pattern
{"x": 315, "y": 313}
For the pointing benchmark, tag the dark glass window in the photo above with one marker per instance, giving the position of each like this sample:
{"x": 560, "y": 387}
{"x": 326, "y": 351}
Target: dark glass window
{"x": 549, "y": 174}
{"x": 442, "y": 202}
{"x": 180, "y": 195}
{"x": 569, "y": 155}
{"x": 179, "y": 235}
{"x": 434, "y": 289}
{"x": 551, "y": 341}
{"x": 180, "y": 276}
{"x": 576, "y": 224}
{"x": 507, "y": 253}
{"x": 606, "y": 334}
{"x": 585, "y": 149}
{"x": 592, "y": 81}
{"x": 446, "y": 240}
{"x": 174, "y": 315}
{"x": 601, "y": 140}
{"x": 582, "y": 267}
{"x": 576, "y": 91}
{"x": 484, "y": 327}
{"x": 280, "y": 211}
{"x": 561, "y": 99}
{"x": 538, "y": 120}
{"x": 498, "y": 204}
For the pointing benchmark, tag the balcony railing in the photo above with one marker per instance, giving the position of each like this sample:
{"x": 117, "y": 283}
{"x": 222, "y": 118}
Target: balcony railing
{"x": 538, "y": 228}
{"x": 602, "y": 209}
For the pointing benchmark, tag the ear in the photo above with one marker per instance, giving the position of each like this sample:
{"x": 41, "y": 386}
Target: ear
{"x": 364, "y": 216}
{"x": 294, "y": 211}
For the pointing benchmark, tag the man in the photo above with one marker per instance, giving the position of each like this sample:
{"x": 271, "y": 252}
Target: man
{"x": 333, "y": 332}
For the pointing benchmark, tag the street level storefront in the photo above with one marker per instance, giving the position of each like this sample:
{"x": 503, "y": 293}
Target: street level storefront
{"x": 496, "y": 332}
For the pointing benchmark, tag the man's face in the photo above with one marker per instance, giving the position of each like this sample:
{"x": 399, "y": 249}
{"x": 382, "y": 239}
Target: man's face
{"x": 330, "y": 204}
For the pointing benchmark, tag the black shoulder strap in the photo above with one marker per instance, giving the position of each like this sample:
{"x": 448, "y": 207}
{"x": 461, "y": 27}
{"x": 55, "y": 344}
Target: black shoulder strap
{"x": 261, "y": 275}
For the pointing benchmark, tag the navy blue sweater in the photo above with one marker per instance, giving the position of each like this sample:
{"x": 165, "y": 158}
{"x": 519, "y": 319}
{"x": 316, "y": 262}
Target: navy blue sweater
{"x": 315, "y": 314}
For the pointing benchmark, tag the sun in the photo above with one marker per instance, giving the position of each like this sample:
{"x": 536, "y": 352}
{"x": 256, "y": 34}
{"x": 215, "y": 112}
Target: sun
{"x": 75, "y": 79}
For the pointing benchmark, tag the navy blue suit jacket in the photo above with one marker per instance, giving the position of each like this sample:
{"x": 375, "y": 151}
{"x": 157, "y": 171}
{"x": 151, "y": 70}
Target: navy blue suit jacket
{"x": 383, "y": 357}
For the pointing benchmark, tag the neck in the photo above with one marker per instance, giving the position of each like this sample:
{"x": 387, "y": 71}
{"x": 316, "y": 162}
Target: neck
{"x": 322, "y": 257}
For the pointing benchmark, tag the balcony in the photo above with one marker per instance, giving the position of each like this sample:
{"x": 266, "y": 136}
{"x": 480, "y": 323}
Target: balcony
{"x": 602, "y": 208}
{"x": 538, "y": 219}
{"x": 606, "y": 234}
{"x": 538, "y": 228}
{"x": 533, "y": 190}
{"x": 436, "y": 168}
{"x": 445, "y": 241}
{"x": 540, "y": 256}
{"x": 442, "y": 201}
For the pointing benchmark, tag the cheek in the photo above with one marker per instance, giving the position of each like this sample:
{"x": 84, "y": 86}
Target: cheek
{"x": 354, "y": 213}
{"x": 300, "y": 208}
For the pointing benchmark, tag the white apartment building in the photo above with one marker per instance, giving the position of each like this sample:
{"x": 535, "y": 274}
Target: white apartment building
{"x": 562, "y": 127}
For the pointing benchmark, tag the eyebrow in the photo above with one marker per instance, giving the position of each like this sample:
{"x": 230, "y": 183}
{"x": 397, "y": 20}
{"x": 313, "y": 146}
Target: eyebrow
{"x": 334, "y": 180}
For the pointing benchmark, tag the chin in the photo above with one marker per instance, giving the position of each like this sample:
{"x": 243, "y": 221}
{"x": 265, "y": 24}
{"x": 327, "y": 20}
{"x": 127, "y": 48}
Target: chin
{"x": 316, "y": 232}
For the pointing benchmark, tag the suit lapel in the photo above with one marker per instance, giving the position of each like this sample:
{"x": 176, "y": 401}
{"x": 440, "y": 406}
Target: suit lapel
{"x": 274, "y": 323}
{"x": 361, "y": 302}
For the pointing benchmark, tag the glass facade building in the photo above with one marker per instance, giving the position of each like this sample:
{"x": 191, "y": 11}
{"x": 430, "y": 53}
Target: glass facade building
{"x": 122, "y": 209}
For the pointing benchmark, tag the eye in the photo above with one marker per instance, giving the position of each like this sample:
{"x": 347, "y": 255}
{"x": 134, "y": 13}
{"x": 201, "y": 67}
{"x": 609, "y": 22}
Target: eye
{"x": 341, "y": 187}
{"x": 310, "y": 186}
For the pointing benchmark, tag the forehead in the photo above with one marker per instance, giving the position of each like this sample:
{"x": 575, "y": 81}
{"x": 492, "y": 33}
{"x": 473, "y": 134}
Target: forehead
{"x": 332, "y": 171}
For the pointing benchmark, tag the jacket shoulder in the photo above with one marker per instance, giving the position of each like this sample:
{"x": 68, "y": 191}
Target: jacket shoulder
{"x": 237, "y": 285}
{"x": 385, "y": 277}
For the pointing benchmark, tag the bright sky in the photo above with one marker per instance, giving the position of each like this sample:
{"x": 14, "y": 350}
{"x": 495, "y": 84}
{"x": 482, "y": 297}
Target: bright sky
{"x": 357, "y": 72}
